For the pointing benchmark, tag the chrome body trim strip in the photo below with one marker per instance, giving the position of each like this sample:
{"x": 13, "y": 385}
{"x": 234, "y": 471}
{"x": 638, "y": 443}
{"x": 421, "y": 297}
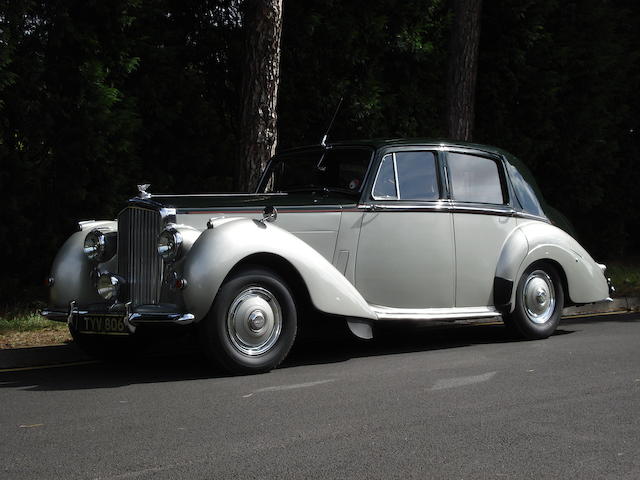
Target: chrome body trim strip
{"x": 457, "y": 208}
{"x": 187, "y": 195}
{"x": 436, "y": 206}
{"x": 434, "y": 314}
{"x": 158, "y": 318}
{"x": 445, "y": 206}
{"x": 530, "y": 216}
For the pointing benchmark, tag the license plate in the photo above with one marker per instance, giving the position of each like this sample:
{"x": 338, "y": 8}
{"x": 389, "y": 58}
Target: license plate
{"x": 102, "y": 324}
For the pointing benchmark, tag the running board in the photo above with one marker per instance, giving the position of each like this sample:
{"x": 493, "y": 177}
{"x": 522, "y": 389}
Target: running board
{"x": 362, "y": 328}
{"x": 435, "y": 314}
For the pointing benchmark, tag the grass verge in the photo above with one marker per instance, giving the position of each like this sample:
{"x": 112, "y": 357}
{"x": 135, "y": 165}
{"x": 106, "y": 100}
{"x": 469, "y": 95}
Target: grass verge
{"x": 625, "y": 277}
{"x": 28, "y": 329}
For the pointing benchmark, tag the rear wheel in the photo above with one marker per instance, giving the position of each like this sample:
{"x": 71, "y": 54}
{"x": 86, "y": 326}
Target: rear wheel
{"x": 252, "y": 323}
{"x": 539, "y": 302}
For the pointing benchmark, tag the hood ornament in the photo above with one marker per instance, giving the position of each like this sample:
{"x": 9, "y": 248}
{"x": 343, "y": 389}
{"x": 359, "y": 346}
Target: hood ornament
{"x": 143, "y": 190}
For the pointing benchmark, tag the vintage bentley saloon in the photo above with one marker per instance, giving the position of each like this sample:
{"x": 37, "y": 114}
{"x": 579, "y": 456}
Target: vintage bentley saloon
{"x": 367, "y": 232}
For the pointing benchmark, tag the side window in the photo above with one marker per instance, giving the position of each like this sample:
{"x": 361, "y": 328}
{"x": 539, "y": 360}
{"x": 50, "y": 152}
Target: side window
{"x": 385, "y": 187}
{"x": 474, "y": 179}
{"x": 417, "y": 175}
{"x": 407, "y": 176}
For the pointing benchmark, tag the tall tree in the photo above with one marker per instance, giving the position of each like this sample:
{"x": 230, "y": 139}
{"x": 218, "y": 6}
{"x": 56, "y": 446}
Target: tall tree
{"x": 463, "y": 67}
{"x": 261, "y": 76}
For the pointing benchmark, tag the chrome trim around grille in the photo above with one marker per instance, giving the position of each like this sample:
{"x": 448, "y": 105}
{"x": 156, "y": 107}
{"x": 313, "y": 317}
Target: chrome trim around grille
{"x": 138, "y": 259}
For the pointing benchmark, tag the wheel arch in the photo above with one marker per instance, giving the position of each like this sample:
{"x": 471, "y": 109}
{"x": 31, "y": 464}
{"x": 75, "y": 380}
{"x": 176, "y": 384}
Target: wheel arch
{"x": 282, "y": 267}
{"x": 504, "y": 290}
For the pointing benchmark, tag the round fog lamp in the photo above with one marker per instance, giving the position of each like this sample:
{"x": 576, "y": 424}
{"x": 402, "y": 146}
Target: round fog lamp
{"x": 108, "y": 286}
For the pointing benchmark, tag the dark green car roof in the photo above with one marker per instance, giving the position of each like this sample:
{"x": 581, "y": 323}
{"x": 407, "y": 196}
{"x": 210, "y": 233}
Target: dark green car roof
{"x": 376, "y": 143}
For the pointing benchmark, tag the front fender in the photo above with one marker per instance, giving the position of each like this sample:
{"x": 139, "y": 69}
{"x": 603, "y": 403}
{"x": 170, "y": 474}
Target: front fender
{"x": 72, "y": 270}
{"x": 217, "y": 250}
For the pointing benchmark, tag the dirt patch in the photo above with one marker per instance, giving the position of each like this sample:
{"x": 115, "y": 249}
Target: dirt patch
{"x": 35, "y": 338}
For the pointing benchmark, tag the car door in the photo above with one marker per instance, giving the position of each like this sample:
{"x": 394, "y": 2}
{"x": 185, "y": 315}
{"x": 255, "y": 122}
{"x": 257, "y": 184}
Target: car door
{"x": 482, "y": 220}
{"x": 405, "y": 255}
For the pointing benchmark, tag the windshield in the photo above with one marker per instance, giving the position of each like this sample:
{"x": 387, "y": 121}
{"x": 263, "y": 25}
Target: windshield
{"x": 339, "y": 169}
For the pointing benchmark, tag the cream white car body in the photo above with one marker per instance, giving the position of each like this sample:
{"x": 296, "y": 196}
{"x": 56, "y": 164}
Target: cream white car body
{"x": 357, "y": 257}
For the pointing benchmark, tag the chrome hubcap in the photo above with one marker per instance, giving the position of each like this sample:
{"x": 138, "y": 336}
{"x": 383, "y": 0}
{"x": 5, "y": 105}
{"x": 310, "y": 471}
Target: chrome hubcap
{"x": 254, "y": 321}
{"x": 539, "y": 297}
{"x": 257, "y": 320}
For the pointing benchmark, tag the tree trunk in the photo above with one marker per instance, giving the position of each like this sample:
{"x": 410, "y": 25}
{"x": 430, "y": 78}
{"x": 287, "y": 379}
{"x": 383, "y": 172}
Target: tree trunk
{"x": 463, "y": 67}
{"x": 258, "y": 132}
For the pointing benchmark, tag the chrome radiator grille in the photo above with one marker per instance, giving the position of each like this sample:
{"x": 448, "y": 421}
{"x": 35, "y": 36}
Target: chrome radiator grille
{"x": 138, "y": 259}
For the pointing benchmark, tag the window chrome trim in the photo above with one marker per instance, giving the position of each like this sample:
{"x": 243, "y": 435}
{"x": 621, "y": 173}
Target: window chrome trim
{"x": 395, "y": 176}
{"x": 375, "y": 180}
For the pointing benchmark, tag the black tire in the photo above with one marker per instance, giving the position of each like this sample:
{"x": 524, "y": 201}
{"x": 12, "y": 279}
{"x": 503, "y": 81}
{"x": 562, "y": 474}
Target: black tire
{"x": 539, "y": 302}
{"x": 252, "y": 323}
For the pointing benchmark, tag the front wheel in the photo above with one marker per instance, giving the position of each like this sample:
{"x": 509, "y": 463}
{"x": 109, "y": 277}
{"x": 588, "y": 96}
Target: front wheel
{"x": 252, "y": 324}
{"x": 539, "y": 302}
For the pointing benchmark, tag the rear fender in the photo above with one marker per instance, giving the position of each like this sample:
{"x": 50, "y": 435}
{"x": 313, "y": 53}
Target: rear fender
{"x": 586, "y": 282}
{"x": 513, "y": 253}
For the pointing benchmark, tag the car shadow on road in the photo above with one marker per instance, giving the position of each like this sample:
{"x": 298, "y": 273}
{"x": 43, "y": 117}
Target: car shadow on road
{"x": 401, "y": 340}
{"x": 186, "y": 363}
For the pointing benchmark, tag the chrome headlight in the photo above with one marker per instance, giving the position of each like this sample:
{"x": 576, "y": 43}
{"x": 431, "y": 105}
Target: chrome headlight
{"x": 99, "y": 246}
{"x": 169, "y": 244}
{"x": 108, "y": 286}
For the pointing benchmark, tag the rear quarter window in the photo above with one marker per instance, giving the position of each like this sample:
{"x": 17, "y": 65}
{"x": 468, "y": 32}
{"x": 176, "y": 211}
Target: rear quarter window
{"x": 525, "y": 193}
{"x": 475, "y": 179}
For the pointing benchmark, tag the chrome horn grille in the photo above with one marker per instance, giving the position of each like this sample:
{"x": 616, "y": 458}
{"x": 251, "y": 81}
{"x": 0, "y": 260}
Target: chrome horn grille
{"x": 138, "y": 260}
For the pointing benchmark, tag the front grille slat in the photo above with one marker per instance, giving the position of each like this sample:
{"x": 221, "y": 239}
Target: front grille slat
{"x": 138, "y": 260}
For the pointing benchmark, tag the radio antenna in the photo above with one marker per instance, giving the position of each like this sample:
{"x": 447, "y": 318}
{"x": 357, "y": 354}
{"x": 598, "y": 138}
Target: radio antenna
{"x": 335, "y": 114}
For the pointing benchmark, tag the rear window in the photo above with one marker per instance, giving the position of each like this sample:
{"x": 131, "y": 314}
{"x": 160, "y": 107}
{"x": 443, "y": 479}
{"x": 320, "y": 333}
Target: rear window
{"x": 474, "y": 179}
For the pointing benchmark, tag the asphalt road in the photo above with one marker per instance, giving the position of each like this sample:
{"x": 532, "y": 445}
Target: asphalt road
{"x": 458, "y": 403}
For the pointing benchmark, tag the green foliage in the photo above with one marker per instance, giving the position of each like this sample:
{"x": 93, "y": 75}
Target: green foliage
{"x": 386, "y": 58}
{"x": 98, "y": 96}
{"x": 625, "y": 277}
{"x": 556, "y": 87}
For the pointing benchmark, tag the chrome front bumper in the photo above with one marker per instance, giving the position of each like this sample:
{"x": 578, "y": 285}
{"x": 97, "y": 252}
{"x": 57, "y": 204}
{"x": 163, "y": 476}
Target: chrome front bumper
{"x": 143, "y": 315}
